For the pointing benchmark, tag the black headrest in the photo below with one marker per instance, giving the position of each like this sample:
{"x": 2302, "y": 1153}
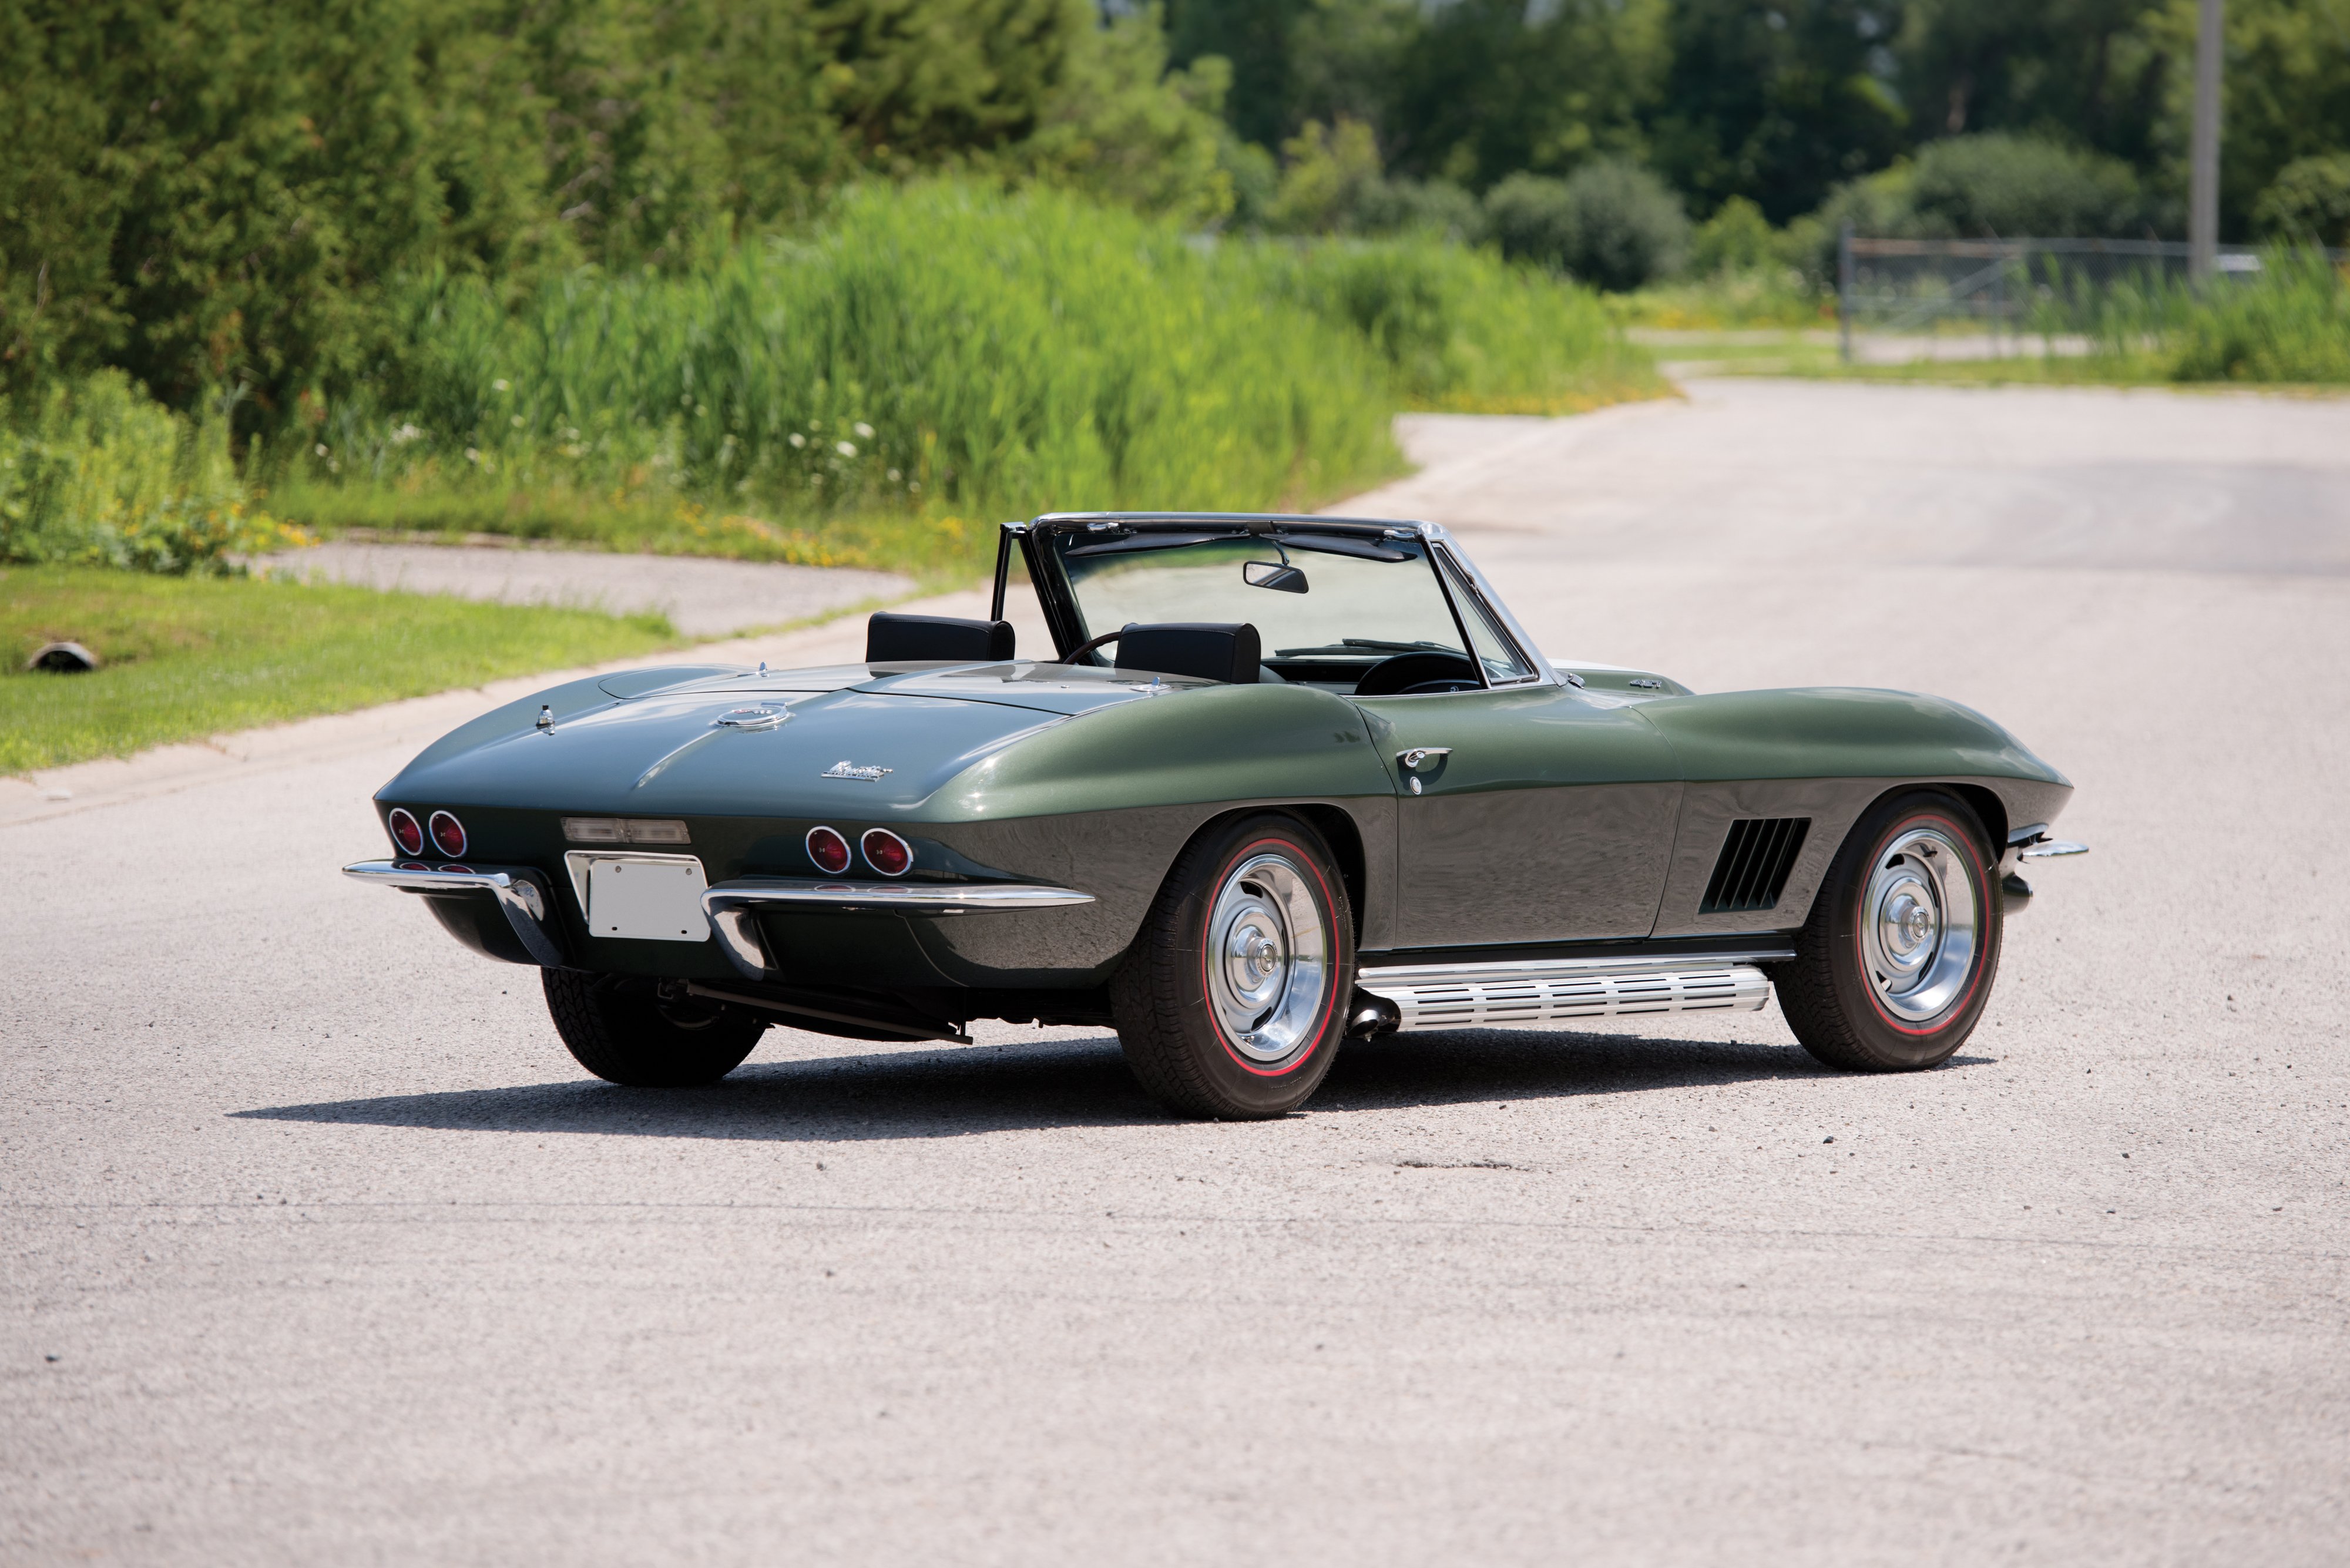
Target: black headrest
{"x": 891, "y": 639}
{"x": 1210, "y": 652}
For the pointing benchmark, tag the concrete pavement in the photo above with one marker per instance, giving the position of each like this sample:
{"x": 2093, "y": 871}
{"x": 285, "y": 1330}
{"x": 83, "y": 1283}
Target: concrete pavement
{"x": 702, "y": 597}
{"x": 320, "y": 1249}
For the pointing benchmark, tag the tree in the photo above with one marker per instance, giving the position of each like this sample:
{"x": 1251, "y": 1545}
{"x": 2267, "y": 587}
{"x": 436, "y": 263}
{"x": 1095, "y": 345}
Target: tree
{"x": 1777, "y": 102}
{"x": 1496, "y": 85}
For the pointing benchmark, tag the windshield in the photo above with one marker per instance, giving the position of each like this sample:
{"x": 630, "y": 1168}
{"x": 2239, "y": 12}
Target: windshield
{"x": 1328, "y": 618}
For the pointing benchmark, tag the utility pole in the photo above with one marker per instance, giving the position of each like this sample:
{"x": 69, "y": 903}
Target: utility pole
{"x": 2203, "y": 168}
{"x": 1844, "y": 290}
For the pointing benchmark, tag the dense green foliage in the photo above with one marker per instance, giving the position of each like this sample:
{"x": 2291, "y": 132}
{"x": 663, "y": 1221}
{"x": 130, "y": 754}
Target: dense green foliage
{"x": 1778, "y": 101}
{"x": 95, "y": 472}
{"x": 190, "y": 658}
{"x": 948, "y": 349}
{"x": 215, "y": 196}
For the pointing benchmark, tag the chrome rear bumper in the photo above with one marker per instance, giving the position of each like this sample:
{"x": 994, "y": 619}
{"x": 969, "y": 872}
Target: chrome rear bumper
{"x": 518, "y": 896}
{"x": 732, "y": 905}
{"x": 729, "y": 906}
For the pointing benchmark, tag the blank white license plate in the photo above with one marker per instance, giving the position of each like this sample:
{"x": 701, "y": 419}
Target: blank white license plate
{"x": 649, "y": 897}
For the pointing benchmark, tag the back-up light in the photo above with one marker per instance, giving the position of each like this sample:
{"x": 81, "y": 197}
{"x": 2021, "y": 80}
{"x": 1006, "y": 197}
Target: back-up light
{"x": 448, "y": 833}
{"x": 887, "y": 853}
{"x": 828, "y": 849}
{"x": 406, "y": 831}
{"x": 625, "y": 830}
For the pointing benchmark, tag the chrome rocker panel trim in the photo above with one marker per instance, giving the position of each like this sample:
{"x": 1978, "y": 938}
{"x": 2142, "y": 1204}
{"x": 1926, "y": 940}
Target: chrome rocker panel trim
{"x": 517, "y": 894}
{"x": 1483, "y": 995}
{"x": 730, "y": 906}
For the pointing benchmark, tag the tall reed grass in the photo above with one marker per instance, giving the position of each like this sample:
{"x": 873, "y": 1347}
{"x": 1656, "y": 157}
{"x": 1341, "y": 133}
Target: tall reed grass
{"x": 936, "y": 352}
{"x": 2289, "y": 323}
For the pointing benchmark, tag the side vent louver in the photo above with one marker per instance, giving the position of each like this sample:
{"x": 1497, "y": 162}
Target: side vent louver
{"x": 1756, "y": 860}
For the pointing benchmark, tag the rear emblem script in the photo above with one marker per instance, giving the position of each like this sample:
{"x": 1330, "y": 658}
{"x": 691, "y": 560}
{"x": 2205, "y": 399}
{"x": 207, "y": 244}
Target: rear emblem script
{"x": 848, "y": 769}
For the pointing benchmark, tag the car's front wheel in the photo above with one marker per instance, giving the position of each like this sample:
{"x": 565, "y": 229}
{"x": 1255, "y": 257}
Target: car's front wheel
{"x": 1893, "y": 969}
{"x": 1232, "y": 1002}
{"x": 648, "y": 1033}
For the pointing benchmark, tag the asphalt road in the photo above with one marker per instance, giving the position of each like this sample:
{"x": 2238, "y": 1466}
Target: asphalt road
{"x": 319, "y": 1250}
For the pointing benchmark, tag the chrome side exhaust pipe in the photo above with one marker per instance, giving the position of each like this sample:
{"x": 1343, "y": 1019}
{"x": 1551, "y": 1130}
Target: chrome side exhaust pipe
{"x": 1485, "y": 996}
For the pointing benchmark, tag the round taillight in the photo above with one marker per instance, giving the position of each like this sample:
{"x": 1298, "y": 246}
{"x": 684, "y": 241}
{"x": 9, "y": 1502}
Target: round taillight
{"x": 405, "y": 832}
{"x": 887, "y": 853}
{"x": 448, "y": 833}
{"x": 828, "y": 849}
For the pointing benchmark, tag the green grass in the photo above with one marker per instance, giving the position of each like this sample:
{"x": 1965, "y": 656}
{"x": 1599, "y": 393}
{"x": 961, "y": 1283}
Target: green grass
{"x": 187, "y": 658}
{"x": 1752, "y": 297}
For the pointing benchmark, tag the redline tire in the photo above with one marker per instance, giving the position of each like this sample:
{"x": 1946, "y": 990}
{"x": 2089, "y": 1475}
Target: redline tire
{"x": 622, "y": 1029}
{"x": 1894, "y": 966}
{"x": 1233, "y": 1000}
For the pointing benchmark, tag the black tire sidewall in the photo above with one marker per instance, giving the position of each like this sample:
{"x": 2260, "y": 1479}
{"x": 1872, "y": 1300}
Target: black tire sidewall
{"x": 1890, "y": 1042}
{"x": 1239, "y": 1084}
{"x": 614, "y": 1027}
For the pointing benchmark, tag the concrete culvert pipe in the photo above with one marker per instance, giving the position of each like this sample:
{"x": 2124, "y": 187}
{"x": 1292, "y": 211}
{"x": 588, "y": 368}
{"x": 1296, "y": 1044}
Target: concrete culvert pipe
{"x": 63, "y": 659}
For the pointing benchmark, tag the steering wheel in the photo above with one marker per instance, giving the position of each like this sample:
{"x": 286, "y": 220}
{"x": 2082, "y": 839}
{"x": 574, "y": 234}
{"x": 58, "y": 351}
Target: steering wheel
{"x": 1413, "y": 674}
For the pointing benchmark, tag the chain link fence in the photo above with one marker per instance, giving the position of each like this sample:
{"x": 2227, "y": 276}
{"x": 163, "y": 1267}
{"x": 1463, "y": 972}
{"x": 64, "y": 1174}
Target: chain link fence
{"x": 2018, "y": 296}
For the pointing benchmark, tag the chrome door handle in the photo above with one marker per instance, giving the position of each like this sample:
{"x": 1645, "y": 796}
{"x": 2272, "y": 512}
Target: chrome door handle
{"x": 1418, "y": 754}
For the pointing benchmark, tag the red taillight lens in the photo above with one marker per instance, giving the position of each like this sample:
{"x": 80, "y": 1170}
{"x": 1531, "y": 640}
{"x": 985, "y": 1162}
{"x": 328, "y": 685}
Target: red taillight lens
{"x": 828, "y": 849}
{"x": 887, "y": 853}
{"x": 448, "y": 833}
{"x": 405, "y": 832}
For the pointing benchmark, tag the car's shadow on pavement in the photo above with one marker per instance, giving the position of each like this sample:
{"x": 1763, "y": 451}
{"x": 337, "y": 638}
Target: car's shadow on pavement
{"x": 955, "y": 1092}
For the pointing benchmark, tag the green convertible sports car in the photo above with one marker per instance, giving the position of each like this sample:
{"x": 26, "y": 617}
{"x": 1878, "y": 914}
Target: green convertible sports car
{"x": 1281, "y": 782}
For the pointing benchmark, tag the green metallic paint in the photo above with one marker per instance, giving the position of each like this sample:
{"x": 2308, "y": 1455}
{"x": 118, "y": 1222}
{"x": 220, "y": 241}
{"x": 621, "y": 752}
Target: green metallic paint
{"x": 1549, "y": 820}
{"x": 1188, "y": 744}
{"x": 1838, "y": 732}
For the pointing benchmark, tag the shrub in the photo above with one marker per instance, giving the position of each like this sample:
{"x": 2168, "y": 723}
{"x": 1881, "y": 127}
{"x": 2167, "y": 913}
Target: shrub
{"x": 1435, "y": 207}
{"x": 2309, "y": 203}
{"x": 1533, "y": 220}
{"x": 1737, "y": 238}
{"x": 1992, "y": 185}
{"x": 96, "y": 473}
{"x": 1328, "y": 173}
{"x": 1611, "y": 223}
{"x": 2009, "y": 187}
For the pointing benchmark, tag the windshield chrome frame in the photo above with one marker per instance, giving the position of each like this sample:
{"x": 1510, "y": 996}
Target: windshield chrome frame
{"x": 1057, "y": 601}
{"x": 1448, "y": 553}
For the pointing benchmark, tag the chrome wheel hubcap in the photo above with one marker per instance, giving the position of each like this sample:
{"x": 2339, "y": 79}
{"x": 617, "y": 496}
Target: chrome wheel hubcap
{"x": 1918, "y": 925}
{"x": 1268, "y": 957}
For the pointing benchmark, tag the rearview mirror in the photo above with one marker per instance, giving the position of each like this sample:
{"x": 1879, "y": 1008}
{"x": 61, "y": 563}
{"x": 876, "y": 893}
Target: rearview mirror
{"x": 1279, "y": 575}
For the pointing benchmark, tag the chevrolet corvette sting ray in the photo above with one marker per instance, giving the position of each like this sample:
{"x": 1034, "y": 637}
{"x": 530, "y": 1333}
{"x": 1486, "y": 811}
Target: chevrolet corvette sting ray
{"x": 1280, "y": 781}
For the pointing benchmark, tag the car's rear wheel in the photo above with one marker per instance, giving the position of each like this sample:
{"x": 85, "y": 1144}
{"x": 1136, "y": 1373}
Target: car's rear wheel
{"x": 648, "y": 1033}
{"x": 1232, "y": 1002}
{"x": 1893, "y": 969}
